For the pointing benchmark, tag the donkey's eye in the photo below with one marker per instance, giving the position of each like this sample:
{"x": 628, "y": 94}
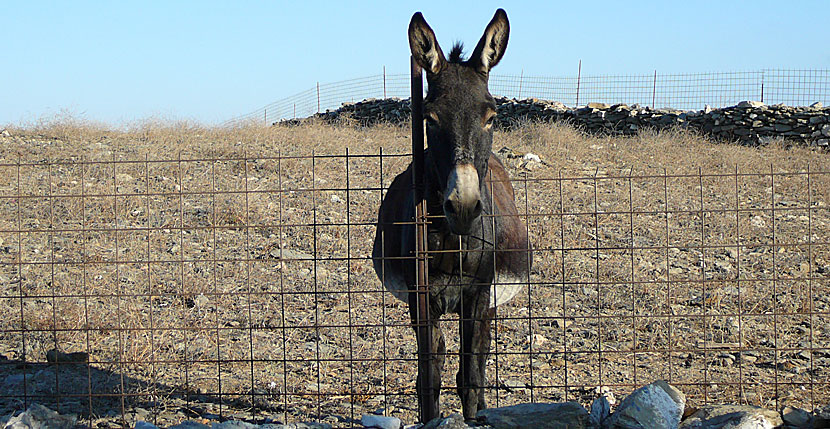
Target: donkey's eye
{"x": 431, "y": 119}
{"x": 489, "y": 122}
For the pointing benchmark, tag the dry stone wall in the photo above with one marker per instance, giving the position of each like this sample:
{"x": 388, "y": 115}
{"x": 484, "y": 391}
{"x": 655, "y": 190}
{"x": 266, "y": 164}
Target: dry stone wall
{"x": 749, "y": 122}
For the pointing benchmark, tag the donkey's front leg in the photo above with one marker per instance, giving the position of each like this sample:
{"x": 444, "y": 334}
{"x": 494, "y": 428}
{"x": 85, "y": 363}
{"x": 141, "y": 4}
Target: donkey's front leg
{"x": 431, "y": 365}
{"x": 476, "y": 317}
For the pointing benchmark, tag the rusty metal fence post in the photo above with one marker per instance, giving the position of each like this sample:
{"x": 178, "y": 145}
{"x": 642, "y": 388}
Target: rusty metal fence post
{"x": 427, "y": 391}
{"x": 578, "y": 81}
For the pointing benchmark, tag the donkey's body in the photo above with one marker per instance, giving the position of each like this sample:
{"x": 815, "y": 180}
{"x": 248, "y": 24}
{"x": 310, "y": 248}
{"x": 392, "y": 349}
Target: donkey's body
{"x": 478, "y": 248}
{"x": 449, "y": 277}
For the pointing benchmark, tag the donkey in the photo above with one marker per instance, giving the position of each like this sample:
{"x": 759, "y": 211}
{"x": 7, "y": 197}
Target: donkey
{"x": 479, "y": 254}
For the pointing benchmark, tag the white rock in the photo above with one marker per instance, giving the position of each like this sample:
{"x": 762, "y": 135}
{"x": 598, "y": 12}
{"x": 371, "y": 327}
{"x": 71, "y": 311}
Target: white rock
{"x": 539, "y": 339}
{"x": 37, "y": 416}
{"x": 657, "y": 405}
{"x": 532, "y": 157}
{"x": 382, "y": 422}
{"x": 732, "y": 416}
{"x": 750, "y": 104}
{"x": 758, "y": 222}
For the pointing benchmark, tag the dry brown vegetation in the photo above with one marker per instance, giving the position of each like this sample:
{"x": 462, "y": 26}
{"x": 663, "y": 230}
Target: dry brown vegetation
{"x": 232, "y": 267}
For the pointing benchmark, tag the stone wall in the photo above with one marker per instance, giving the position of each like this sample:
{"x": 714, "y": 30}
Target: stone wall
{"x": 749, "y": 122}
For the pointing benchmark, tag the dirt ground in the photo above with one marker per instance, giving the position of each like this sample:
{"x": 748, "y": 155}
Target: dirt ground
{"x": 212, "y": 272}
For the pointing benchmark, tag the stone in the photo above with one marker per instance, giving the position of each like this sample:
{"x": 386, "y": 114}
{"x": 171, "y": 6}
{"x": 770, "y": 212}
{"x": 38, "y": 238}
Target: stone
{"x": 757, "y": 222}
{"x": 453, "y": 421}
{"x": 723, "y": 267}
{"x": 750, "y": 104}
{"x": 527, "y": 165}
{"x": 14, "y": 383}
{"x": 514, "y": 385}
{"x": 5, "y": 133}
{"x": 797, "y": 417}
{"x": 817, "y": 105}
{"x": 600, "y": 106}
{"x": 303, "y": 425}
{"x": 732, "y": 416}
{"x": 656, "y": 405}
{"x": 288, "y": 254}
{"x": 751, "y": 121}
{"x": 37, "y": 416}
{"x": 57, "y": 356}
{"x": 821, "y": 417}
{"x": 381, "y": 422}
{"x": 563, "y": 415}
{"x": 532, "y": 157}
{"x": 234, "y": 424}
{"x": 600, "y": 410}
{"x": 189, "y": 424}
{"x": 825, "y": 130}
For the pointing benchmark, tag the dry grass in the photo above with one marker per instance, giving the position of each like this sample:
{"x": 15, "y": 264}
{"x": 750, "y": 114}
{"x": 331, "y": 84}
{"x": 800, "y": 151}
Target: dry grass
{"x": 229, "y": 223}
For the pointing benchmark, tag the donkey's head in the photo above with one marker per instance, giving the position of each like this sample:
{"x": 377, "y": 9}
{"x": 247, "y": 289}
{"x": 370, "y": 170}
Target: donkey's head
{"x": 459, "y": 111}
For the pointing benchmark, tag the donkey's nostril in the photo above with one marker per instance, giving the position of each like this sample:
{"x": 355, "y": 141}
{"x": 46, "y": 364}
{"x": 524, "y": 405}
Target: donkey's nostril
{"x": 477, "y": 209}
{"x": 449, "y": 207}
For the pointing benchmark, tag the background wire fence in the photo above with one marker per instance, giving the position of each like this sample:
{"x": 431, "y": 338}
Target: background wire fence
{"x": 242, "y": 287}
{"x": 683, "y": 91}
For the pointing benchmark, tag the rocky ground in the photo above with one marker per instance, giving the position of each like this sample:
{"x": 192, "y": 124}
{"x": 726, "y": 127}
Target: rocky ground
{"x": 218, "y": 285}
{"x": 748, "y": 122}
{"x": 656, "y": 405}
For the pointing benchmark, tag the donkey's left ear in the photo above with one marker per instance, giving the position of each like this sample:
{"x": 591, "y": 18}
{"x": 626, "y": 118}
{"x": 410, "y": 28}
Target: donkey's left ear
{"x": 493, "y": 43}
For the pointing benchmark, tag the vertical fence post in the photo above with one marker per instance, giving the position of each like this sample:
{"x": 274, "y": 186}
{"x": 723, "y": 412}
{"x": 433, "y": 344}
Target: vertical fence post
{"x": 578, "y": 79}
{"x": 265, "y": 113}
{"x": 384, "y": 82}
{"x": 426, "y": 395}
{"x": 762, "y": 86}
{"x": 318, "y": 97}
{"x": 654, "y": 89}
{"x": 521, "y": 78}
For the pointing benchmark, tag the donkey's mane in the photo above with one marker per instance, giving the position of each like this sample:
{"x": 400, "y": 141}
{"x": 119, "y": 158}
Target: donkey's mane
{"x": 457, "y": 52}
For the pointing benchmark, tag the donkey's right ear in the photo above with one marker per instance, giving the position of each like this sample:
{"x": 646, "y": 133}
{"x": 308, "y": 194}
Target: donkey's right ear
{"x": 424, "y": 46}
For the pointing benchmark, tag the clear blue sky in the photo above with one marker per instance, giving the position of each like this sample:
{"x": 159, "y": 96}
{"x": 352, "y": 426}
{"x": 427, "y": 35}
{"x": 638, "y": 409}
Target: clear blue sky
{"x": 207, "y": 61}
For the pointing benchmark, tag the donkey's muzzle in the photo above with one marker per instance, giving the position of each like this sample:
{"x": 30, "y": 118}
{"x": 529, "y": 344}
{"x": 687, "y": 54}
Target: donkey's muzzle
{"x": 462, "y": 201}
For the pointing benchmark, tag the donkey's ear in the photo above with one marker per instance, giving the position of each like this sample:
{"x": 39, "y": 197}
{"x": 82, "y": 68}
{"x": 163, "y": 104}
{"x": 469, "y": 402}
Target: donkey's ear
{"x": 424, "y": 46}
{"x": 493, "y": 43}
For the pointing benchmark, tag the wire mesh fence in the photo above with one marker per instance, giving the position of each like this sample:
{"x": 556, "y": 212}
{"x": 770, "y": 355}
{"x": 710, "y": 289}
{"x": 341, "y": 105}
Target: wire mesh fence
{"x": 162, "y": 289}
{"x": 682, "y": 91}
